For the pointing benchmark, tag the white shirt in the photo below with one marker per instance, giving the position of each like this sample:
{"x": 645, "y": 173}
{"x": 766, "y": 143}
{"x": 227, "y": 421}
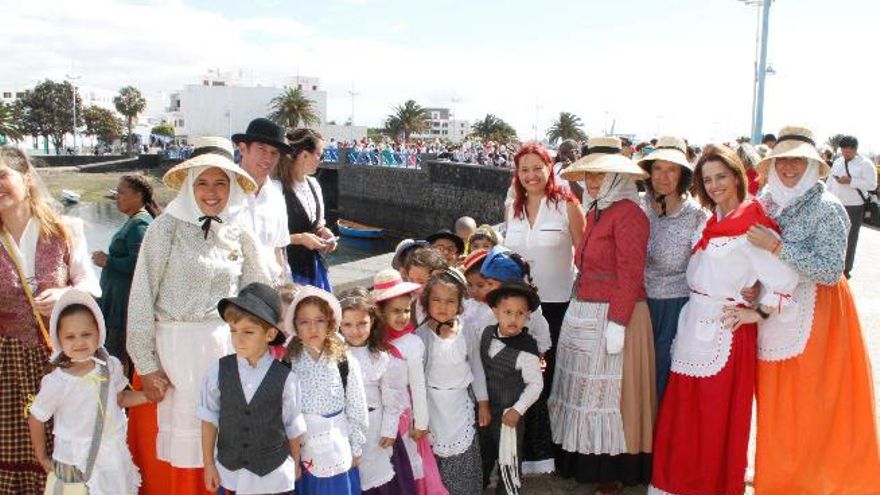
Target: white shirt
{"x": 530, "y": 366}
{"x": 384, "y": 385}
{"x": 82, "y": 274}
{"x": 241, "y": 480}
{"x": 864, "y": 178}
{"x": 265, "y": 214}
{"x": 547, "y": 247}
{"x": 478, "y": 316}
{"x": 413, "y": 351}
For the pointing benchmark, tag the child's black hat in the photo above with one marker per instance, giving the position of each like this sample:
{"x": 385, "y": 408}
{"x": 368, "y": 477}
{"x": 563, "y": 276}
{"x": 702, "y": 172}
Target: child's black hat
{"x": 260, "y": 301}
{"x": 445, "y": 234}
{"x": 514, "y": 289}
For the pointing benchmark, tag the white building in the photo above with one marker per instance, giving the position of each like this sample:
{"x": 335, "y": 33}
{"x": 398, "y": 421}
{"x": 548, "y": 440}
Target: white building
{"x": 223, "y": 104}
{"x": 442, "y": 124}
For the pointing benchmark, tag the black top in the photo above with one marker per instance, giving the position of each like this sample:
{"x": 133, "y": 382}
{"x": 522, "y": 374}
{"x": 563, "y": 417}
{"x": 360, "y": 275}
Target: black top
{"x": 300, "y": 258}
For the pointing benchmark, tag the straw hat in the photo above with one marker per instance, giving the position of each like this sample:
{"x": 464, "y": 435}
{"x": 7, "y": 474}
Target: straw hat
{"x": 794, "y": 142}
{"x": 603, "y": 156}
{"x": 388, "y": 284}
{"x": 669, "y": 148}
{"x": 310, "y": 291}
{"x": 210, "y": 152}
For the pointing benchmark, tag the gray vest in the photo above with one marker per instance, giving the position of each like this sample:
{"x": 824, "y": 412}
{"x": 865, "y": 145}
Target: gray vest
{"x": 503, "y": 381}
{"x": 251, "y": 435}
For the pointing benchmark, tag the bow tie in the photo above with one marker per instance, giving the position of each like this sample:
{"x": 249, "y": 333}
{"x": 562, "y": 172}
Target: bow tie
{"x": 206, "y": 223}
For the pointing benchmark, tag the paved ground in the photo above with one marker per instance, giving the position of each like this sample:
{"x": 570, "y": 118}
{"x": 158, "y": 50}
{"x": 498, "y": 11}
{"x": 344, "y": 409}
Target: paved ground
{"x": 866, "y": 287}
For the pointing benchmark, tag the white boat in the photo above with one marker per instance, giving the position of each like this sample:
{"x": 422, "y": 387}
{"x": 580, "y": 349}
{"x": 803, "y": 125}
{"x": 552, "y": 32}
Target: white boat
{"x": 70, "y": 196}
{"x": 112, "y": 193}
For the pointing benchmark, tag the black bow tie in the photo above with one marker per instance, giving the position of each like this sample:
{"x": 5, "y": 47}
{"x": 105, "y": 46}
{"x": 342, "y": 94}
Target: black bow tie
{"x": 206, "y": 223}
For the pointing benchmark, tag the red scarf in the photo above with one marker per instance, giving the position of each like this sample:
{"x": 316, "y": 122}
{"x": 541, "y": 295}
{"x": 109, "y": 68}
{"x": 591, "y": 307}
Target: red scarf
{"x": 392, "y": 334}
{"x": 738, "y": 222}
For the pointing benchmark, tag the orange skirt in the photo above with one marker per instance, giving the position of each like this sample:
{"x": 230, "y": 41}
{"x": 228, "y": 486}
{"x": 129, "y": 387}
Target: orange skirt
{"x": 817, "y": 431}
{"x": 159, "y": 477}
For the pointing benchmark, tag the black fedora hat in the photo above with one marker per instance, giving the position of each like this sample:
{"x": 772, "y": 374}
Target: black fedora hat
{"x": 446, "y": 234}
{"x": 260, "y": 301}
{"x": 263, "y": 130}
{"x": 514, "y": 288}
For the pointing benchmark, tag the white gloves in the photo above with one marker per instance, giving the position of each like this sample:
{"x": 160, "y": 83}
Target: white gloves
{"x": 614, "y": 336}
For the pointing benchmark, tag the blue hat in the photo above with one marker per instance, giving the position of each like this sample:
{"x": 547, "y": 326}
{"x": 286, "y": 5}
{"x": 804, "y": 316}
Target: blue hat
{"x": 499, "y": 265}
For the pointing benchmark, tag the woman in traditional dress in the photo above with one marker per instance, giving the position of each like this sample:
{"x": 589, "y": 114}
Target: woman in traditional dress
{"x": 702, "y": 435}
{"x": 676, "y": 219}
{"x": 193, "y": 255}
{"x": 309, "y": 235}
{"x": 603, "y": 400}
{"x": 42, "y": 255}
{"x": 544, "y": 224}
{"x": 817, "y": 429}
{"x": 135, "y": 200}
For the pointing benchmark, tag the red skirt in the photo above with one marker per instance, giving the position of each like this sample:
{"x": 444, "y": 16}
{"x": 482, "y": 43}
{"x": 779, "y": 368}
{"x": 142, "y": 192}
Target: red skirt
{"x": 702, "y": 436}
{"x": 159, "y": 478}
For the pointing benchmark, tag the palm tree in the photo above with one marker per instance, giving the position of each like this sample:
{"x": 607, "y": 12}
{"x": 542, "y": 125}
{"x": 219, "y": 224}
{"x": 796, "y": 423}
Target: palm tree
{"x": 292, "y": 109}
{"x": 9, "y": 126}
{"x": 567, "y": 126}
{"x": 129, "y": 102}
{"x": 407, "y": 119}
{"x": 491, "y": 128}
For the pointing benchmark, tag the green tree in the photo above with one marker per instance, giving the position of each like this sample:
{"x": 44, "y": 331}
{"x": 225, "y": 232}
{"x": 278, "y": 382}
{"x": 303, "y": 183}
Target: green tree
{"x": 163, "y": 130}
{"x": 567, "y": 126}
{"x": 292, "y": 109}
{"x": 9, "y": 123}
{"x": 103, "y": 124}
{"x": 130, "y": 103}
{"x": 491, "y": 128}
{"x": 407, "y": 119}
{"x": 47, "y": 110}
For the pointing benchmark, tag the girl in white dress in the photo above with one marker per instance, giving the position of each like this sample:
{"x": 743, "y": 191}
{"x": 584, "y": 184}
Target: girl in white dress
{"x": 385, "y": 468}
{"x": 453, "y": 371}
{"x": 86, "y": 386}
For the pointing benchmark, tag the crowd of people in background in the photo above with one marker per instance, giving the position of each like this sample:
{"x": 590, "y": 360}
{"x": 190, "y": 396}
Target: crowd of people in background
{"x": 615, "y": 329}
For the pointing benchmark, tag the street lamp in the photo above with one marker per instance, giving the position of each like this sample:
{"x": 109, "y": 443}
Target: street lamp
{"x": 763, "y": 22}
{"x": 453, "y": 136}
{"x": 73, "y": 78}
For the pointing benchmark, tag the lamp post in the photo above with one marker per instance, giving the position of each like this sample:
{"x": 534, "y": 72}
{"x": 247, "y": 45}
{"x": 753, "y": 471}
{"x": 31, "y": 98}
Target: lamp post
{"x": 454, "y": 134}
{"x": 73, "y": 78}
{"x": 763, "y": 22}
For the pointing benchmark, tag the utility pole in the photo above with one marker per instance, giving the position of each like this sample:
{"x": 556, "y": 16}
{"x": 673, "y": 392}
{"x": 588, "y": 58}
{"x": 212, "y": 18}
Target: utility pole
{"x": 73, "y": 78}
{"x": 454, "y": 132}
{"x": 762, "y": 30}
{"x": 352, "y": 94}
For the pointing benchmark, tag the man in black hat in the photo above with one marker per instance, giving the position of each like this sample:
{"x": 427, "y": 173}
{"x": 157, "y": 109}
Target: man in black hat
{"x": 261, "y": 146}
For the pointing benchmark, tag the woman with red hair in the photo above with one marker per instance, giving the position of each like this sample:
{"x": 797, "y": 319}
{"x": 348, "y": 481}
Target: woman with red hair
{"x": 544, "y": 224}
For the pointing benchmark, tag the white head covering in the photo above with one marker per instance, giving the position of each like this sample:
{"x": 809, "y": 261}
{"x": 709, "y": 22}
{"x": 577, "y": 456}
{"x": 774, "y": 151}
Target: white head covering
{"x": 69, "y": 298}
{"x": 184, "y": 206}
{"x": 614, "y": 188}
{"x": 782, "y": 195}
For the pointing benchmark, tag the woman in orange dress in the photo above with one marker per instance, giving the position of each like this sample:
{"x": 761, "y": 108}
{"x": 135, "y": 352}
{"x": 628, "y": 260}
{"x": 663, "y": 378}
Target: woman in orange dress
{"x": 817, "y": 430}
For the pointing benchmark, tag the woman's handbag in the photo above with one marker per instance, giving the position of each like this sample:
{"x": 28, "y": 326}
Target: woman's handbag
{"x": 67, "y": 479}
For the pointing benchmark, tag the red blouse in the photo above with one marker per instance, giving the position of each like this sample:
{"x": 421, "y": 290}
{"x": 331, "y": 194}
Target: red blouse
{"x": 611, "y": 259}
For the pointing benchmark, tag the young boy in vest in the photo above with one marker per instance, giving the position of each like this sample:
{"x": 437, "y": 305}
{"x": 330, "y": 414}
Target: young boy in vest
{"x": 248, "y": 403}
{"x": 513, "y": 372}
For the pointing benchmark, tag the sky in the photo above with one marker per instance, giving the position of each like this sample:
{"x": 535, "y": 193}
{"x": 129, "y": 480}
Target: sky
{"x": 645, "y": 67}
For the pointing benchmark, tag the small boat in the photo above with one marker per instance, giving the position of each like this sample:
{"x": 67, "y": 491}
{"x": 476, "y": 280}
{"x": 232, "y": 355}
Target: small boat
{"x": 112, "y": 193}
{"x": 70, "y": 196}
{"x": 349, "y": 228}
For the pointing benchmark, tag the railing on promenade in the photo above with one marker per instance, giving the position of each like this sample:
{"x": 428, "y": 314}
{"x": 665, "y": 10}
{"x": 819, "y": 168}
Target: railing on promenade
{"x": 374, "y": 158}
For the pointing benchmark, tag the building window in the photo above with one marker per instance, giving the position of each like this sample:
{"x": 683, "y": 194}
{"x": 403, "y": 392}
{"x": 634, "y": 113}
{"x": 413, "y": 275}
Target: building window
{"x": 204, "y": 82}
{"x": 445, "y": 132}
{"x": 445, "y": 125}
{"x": 435, "y": 115}
{"x": 299, "y": 86}
{"x": 7, "y": 94}
{"x": 218, "y": 83}
{"x": 314, "y": 87}
{"x": 20, "y": 94}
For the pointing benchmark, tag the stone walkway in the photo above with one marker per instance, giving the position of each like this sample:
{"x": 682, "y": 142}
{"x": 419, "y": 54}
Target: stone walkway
{"x": 866, "y": 287}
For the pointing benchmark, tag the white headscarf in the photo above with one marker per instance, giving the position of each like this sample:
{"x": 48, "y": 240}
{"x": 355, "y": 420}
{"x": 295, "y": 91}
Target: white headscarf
{"x": 614, "y": 188}
{"x": 184, "y": 206}
{"x": 782, "y": 195}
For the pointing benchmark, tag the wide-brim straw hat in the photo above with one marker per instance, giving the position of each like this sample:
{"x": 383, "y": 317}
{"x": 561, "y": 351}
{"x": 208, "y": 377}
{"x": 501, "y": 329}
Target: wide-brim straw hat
{"x": 388, "y": 284}
{"x": 604, "y": 156}
{"x": 310, "y": 291}
{"x": 794, "y": 142}
{"x": 669, "y": 148}
{"x": 210, "y": 152}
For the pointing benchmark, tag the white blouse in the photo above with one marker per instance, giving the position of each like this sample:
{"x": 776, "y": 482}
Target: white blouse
{"x": 385, "y": 386}
{"x": 322, "y": 393}
{"x": 413, "y": 351}
{"x": 82, "y": 273}
{"x": 547, "y": 247}
{"x": 478, "y": 316}
{"x": 304, "y": 194}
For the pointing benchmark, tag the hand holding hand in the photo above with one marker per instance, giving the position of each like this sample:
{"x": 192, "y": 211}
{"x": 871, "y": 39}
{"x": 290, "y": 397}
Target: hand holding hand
{"x": 735, "y": 317}
{"x": 155, "y": 384}
{"x": 750, "y": 294}
{"x": 417, "y": 434}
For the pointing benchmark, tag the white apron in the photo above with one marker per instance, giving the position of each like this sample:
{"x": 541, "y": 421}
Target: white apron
{"x": 375, "y": 468}
{"x": 326, "y": 451}
{"x": 186, "y": 350}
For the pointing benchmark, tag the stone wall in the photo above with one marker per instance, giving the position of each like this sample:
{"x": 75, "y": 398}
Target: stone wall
{"x": 411, "y": 202}
{"x": 72, "y": 160}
